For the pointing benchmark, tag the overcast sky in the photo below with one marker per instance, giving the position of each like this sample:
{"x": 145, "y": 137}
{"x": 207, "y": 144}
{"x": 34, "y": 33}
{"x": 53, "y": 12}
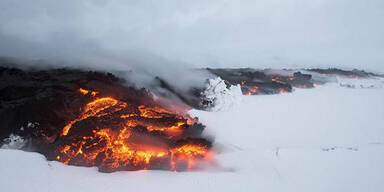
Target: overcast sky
{"x": 214, "y": 33}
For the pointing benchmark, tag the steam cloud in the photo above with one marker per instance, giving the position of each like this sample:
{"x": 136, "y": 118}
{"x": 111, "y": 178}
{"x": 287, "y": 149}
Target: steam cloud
{"x": 159, "y": 36}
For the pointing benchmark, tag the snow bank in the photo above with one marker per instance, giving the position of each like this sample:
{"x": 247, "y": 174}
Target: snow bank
{"x": 219, "y": 96}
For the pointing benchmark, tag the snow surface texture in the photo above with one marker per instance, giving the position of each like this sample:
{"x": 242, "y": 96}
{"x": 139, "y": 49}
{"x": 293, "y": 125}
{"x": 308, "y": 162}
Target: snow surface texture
{"x": 327, "y": 139}
{"x": 220, "y": 96}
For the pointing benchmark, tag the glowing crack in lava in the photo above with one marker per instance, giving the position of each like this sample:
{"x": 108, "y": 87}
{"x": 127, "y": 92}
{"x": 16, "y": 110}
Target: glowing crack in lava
{"x": 114, "y": 135}
{"x": 253, "y": 90}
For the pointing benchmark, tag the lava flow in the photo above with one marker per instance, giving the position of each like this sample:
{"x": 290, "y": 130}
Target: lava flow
{"x": 115, "y": 135}
{"x": 254, "y": 90}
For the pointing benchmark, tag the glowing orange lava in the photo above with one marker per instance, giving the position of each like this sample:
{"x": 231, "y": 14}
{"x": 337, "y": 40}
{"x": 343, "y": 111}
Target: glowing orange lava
{"x": 282, "y": 90}
{"x": 253, "y": 90}
{"x": 136, "y": 137}
{"x": 86, "y": 92}
{"x": 301, "y": 86}
{"x": 275, "y": 79}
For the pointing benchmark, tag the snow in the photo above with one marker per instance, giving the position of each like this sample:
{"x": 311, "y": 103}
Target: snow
{"x": 13, "y": 142}
{"x": 363, "y": 83}
{"x": 220, "y": 96}
{"x": 324, "y": 139}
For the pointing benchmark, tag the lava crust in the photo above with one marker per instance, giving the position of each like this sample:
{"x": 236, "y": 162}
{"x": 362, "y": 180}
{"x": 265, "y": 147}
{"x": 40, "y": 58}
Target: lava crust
{"x": 87, "y": 118}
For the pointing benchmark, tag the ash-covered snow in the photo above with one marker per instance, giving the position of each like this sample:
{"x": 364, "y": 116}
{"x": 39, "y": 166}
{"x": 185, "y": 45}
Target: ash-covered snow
{"x": 219, "y": 96}
{"x": 324, "y": 139}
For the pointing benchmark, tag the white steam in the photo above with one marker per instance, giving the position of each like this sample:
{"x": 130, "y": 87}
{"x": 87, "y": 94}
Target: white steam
{"x": 119, "y": 34}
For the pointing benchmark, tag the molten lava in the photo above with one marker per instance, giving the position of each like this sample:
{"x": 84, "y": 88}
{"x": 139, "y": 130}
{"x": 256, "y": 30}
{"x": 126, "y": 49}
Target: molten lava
{"x": 253, "y": 90}
{"x": 282, "y": 90}
{"x": 86, "y": 92}
{"x": 115, "y": 135}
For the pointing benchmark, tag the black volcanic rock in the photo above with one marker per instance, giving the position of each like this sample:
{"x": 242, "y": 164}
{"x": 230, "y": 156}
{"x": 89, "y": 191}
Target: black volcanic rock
{"x": 50, "y": 98}
{"x": 347, "y": 73}
{"x": 38, "y": 105}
